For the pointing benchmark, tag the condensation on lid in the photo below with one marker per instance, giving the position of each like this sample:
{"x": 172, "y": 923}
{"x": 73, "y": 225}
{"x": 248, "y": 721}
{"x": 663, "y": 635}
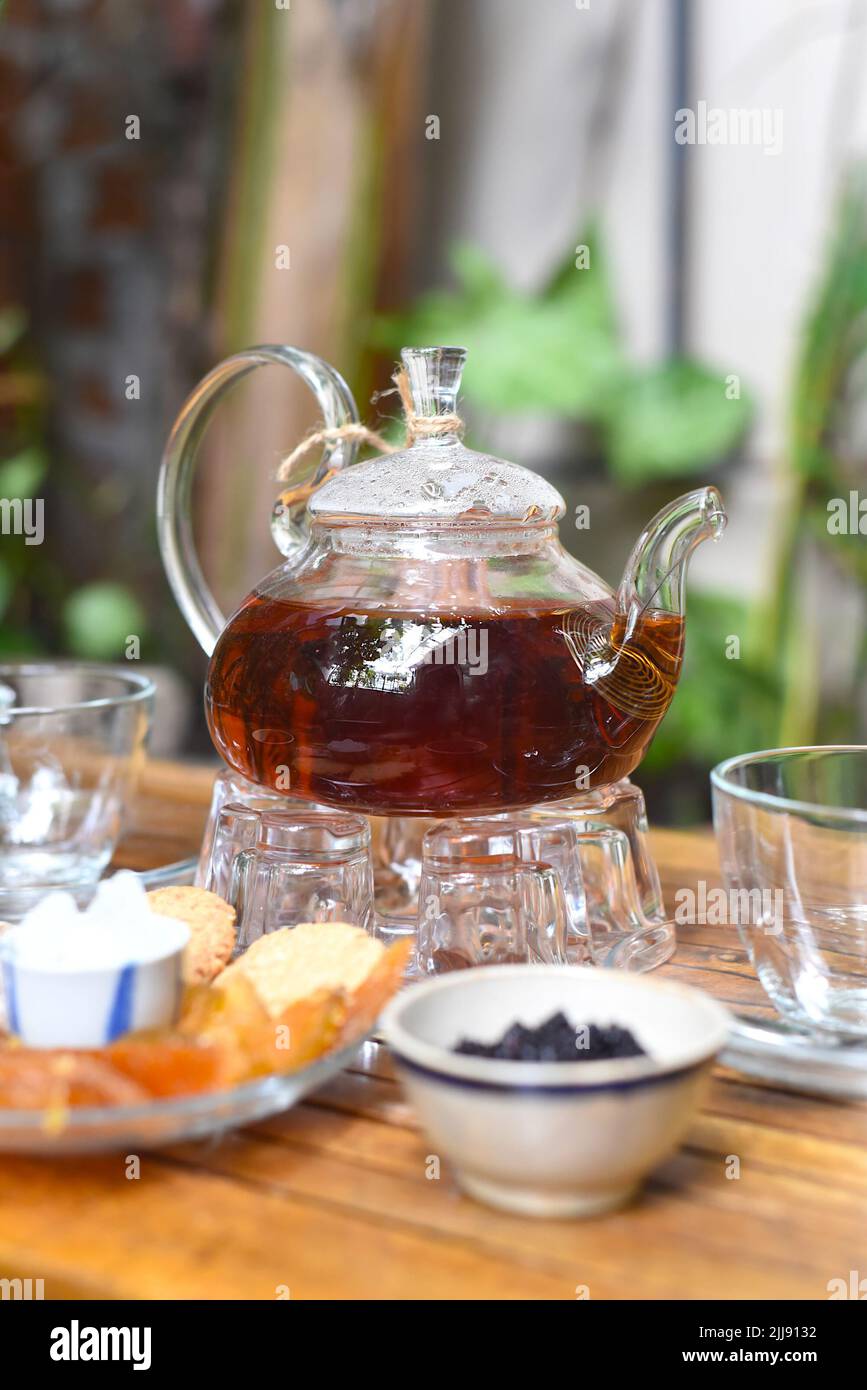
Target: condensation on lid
{"x": 439, "y": 479}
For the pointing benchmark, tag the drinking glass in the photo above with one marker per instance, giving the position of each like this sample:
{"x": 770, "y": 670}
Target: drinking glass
{"x": 397, "y": 855}
{"x": 312, "y": 866}
{"x": 791, "y": 827}
{"x": 479, "y": 904}
{"x": 619, "y": 934}
{"x": 598, "y": 866}
{"x": 72, "y": 738}
{"x": 620, "y": 806}
{"x": 232, "y": 825}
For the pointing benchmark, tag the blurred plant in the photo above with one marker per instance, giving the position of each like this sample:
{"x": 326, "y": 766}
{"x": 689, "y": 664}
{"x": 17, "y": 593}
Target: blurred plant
{"x": 98, "y": 619}
{"x": 826, "y": 461}
{"x": 38, "y": 610}
{"x": 560, "y": 353}
{"x": 21, "y": 474}
{"x": 772, "y": 696}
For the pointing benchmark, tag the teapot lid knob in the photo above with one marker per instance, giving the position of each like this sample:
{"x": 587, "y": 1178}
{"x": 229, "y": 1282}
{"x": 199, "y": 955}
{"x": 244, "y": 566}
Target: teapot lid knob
{"x": 433, "y": 378}
{"x": 432, "y": 478}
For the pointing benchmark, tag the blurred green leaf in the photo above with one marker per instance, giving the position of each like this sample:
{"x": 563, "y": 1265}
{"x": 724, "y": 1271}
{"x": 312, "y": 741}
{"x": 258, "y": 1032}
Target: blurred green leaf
{"x": 556, "y": 352}
{"x": 559, "y": 353}
{"x": 846, "y": 550}
{"x": 98, "y": 619}
{"x": 16, "y": 642}
{"x": 13, "y": 323}
{"x": 835, "y": 332}
{"x": 671, "y": 420}
{"x": 6, "y": 587}
{"x": 21, "y": 475}
{"x": 480, "y": 278}
{"x": 826, "y": 405}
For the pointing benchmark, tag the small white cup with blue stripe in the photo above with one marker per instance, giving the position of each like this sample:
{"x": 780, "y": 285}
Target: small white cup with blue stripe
{"x": 83, "y": 979}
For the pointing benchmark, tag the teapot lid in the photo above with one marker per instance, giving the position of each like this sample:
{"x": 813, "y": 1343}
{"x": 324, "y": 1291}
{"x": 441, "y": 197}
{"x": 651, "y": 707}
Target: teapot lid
{"x": 435, "y": 477}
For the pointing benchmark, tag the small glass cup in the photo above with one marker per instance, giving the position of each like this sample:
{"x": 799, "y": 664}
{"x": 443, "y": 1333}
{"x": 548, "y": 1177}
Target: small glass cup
{"x": 301, "y": 867}
{"x": 791, "y": 827}
{"x": 222, "y": 840}
{"x": 397, "y": 856}
{"x": 619, "y": 934}
{"x": 596, "y": 865}
{"x": 554, "y": 843}
{"x": 620, "y": 806}
{"x": 479, "y": 904}
{"x": 72, "y": 738}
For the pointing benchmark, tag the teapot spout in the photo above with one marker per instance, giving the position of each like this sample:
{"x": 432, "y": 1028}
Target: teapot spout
{"x": 631, "y": 660}
{"x": 655, "y": 575}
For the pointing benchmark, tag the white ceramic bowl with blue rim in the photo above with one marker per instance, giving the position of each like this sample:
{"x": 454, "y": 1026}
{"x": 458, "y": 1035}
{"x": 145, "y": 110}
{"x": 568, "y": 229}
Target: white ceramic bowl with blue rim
{"x": 553, "y": 1138}
{"x": 89, "y": 1005}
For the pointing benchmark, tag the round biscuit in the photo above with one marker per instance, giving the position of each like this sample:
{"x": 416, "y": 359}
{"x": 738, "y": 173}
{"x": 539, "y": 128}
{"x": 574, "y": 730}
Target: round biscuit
{"x": 211, "y": 921}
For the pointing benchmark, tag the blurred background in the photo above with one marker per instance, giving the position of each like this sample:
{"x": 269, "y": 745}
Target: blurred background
{"x": 645, "y": 312}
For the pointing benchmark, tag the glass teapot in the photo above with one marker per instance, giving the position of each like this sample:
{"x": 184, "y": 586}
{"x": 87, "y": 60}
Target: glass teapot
{"x": 427, "y": 646}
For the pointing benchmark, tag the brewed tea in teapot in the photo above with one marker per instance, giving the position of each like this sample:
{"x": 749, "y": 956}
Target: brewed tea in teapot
{"x": 383, "y": 715}
{"x": 428, "y": 647}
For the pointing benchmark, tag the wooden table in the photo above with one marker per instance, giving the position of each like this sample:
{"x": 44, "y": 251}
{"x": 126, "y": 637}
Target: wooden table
{"x": 332, "y": 1199}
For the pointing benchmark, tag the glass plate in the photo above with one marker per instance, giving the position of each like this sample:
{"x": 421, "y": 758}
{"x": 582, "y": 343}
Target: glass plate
{"x": 182, "y": 871}
{"x": 104, "y": 1129}
{"x": 772, "y": 1050}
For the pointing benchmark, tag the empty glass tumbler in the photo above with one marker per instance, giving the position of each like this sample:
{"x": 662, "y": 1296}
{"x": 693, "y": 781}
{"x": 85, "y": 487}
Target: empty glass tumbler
{"x": 281, "y": 867}
{"x": 480, "y": 904}
{"x": 72, "y": 737}
{"x": 620, "y": 807}
{"x": 222, "y": 841}
{"x": 791, "y": 828}
{"x": 595, "y": 882}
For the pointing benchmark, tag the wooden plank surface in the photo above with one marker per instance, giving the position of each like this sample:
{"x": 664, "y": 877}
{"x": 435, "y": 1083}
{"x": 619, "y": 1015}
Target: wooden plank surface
{"x": 332, "y": 1199}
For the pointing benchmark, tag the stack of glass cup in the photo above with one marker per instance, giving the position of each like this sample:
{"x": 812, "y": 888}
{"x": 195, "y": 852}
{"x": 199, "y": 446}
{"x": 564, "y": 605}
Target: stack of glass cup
{"x": 571, "y": 882}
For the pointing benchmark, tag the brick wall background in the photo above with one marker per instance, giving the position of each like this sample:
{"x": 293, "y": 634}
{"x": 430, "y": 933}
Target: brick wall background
{"x": 106, "y": 244}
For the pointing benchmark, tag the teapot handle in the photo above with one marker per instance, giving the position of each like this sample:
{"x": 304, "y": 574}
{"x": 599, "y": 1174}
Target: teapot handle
{"x": 174, "y": 522}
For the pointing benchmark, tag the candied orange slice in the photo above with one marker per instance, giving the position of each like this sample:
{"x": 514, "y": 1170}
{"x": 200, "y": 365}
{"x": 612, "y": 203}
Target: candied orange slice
{"x": 305, "y": 1031}
{"x": 168, "y": 1066}
{"x": 26, "y": 1081}
{"x": 233, "y": 1020}
{"x": 252, "y": 1041}
{"x": 233, "y": 1017}
{"x": 130, "y": 1072}
{"x": 37, "y": 1079}
{"x": 233, "y": 1009}
{"x": 366, "y": 1002}
{"x": 92, "y": 1081}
